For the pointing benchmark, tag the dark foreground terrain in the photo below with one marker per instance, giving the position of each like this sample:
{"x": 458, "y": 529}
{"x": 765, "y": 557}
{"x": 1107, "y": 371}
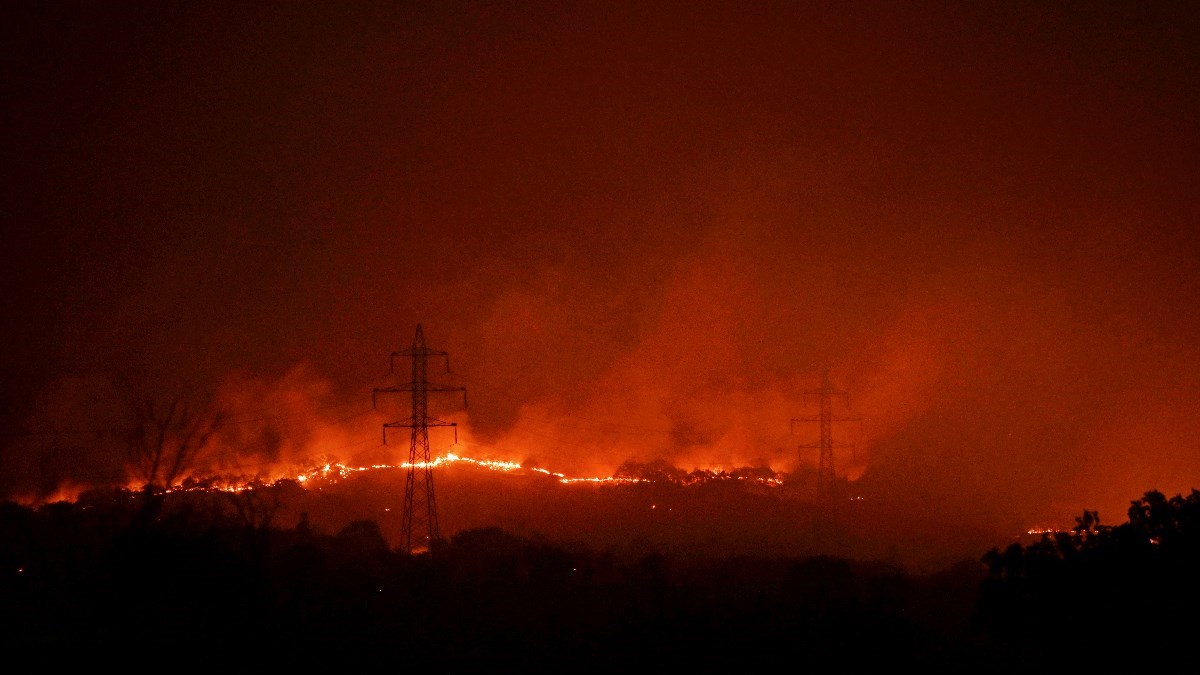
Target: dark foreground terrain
{"x": 138, "y": 581}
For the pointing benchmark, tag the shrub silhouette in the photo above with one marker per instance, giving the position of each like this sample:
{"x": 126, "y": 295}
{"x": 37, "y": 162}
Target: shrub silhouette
{"x": 1111, "y": 591}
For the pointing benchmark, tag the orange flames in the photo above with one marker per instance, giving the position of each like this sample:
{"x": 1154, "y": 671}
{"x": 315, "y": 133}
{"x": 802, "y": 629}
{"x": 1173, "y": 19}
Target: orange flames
{"x": 336, "y": 471}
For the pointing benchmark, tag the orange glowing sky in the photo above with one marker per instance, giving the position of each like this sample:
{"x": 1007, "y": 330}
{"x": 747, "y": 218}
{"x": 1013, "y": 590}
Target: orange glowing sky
{"x": 640, "y": 231}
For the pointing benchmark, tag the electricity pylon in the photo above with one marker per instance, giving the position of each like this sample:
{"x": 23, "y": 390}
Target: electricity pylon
{"x": 826, "y": 476}
{"x": 420, "y": 510}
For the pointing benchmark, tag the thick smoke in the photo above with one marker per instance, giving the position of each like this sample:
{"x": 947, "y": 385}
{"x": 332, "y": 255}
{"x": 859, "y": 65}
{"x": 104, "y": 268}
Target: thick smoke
{"x": 640, "y": 234}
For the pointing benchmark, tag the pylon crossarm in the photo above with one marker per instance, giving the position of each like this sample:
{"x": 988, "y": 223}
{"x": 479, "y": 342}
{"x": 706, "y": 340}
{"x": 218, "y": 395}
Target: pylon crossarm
{"x": 811, "y": 418}
{"x": 441, "y": 388}
{"x": 420, "y": 351}
{"x": 832, "y": 444}
{"x": 385, "y": 390}
{"x": 817, "y": 418}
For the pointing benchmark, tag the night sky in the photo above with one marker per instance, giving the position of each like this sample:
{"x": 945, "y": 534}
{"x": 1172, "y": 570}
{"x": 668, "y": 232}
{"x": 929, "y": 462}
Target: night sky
{"x": 641, "y": 230}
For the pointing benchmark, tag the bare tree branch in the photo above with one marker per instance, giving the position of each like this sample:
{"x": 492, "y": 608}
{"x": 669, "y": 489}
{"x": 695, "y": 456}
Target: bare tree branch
{"x": 164, "y": 444}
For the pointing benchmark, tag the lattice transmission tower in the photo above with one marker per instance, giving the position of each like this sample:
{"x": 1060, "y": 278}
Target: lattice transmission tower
{"x": 826, "y": 475}
{"x": 420, "y": 517}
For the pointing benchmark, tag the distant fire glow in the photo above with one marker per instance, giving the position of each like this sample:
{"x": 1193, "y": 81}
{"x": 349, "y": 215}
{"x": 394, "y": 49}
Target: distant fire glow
{"x": 336, "y": 471}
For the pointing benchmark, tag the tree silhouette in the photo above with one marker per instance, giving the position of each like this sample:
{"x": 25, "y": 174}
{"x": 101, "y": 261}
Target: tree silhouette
{"x": 1082, "y": 587}
{"x": 164, "y": 441}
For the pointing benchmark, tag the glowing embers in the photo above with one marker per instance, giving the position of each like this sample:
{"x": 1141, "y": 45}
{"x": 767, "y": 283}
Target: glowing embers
{"x": 494, "y": 465}
{"x": 562, "y": 478}
{"x": 333, "y": 472}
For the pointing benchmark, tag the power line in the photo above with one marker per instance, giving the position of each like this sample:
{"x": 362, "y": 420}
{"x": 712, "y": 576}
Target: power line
{"x": 826, "y": 475}
{"x": 419, "y": 511}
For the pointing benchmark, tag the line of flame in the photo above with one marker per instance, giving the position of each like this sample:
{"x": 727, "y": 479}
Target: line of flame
{"x": 338, "y": 471}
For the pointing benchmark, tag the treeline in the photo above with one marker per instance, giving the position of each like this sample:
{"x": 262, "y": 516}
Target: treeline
{"x": 1100, "y": 593}
{"x": 211, "y": 579}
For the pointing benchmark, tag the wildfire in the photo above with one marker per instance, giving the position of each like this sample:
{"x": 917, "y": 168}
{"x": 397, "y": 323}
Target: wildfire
{"x": 337, "y": 471}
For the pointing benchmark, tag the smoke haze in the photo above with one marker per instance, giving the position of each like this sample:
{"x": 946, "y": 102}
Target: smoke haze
{"x": 641, "y": 233}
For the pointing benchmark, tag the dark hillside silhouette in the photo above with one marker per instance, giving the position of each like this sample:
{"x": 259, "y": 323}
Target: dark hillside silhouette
{"x": 1099, "y": 592}
{"x": 210, "y": 577}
